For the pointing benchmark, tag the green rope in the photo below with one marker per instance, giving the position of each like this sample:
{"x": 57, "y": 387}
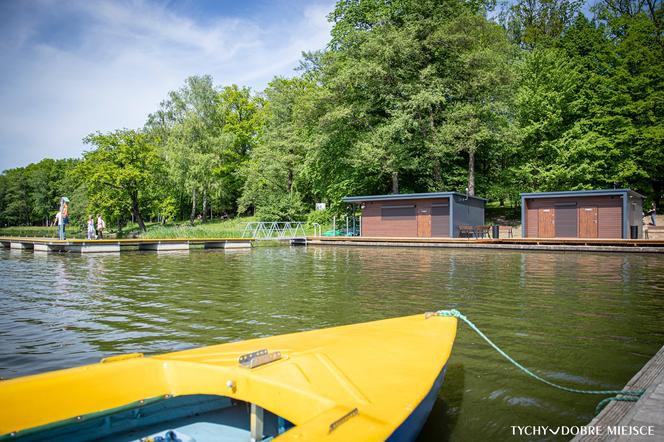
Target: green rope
{"x": 604, "y": 402}
{"x": 630, "y": 395}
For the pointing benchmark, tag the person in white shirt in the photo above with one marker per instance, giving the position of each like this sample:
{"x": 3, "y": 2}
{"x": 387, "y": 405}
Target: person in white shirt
{"x": 101, "y": 225}
{"x": 61, "y": 227}
{"x": 91, "y": 227}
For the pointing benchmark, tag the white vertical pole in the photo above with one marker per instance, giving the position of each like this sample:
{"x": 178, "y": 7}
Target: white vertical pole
{"x": 256, "y": 423}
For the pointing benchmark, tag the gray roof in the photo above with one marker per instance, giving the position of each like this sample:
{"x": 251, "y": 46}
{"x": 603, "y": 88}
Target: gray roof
{"x": 601, "y": 192}
{"x": 405, "y": 196}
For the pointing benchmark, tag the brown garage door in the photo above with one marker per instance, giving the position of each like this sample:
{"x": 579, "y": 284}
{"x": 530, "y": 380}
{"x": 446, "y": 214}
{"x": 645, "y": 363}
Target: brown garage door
{"x": 398, "y": 221}
{"x": 440, "y": 220}
{"x": 566, "y": 220}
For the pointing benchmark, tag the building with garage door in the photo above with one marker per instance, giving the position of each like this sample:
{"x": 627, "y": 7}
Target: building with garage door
{"x": 422, "y": 215}
{"x": 582, "y": 214}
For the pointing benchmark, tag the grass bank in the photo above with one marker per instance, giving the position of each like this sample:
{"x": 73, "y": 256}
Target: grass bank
{"x": 231, "y": 228}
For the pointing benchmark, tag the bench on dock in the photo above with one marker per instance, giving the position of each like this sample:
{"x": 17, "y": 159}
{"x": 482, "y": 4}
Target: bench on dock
{"x": 475, "y": 231}
{"x": 482, "y": 231}
{"x": 466, "y": 231}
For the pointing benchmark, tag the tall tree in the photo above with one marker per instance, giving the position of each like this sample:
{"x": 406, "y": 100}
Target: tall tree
{"x": 477, "y": 73}
{"x": 206, "y": 134}
{"x": 533, "y": 23}
{"x": 274, "y": 171}
{"x": 118, "y": 173}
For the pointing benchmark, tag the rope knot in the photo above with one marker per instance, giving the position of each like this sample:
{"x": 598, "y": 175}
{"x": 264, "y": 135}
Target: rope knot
{"x": 454, "y": 313}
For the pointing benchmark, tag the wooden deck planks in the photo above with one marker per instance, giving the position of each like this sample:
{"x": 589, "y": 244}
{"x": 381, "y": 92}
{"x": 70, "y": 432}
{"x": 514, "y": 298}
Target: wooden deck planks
{"x": 545, "y": 244}
{"x": 648, "y": 411}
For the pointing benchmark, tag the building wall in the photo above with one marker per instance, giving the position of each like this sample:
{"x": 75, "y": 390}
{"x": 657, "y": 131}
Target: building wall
{"x": 609, "y": 213}
{"x": 468, "y": 212}
{"x": 374, "y": 224}
{"x": 635, "y": 214}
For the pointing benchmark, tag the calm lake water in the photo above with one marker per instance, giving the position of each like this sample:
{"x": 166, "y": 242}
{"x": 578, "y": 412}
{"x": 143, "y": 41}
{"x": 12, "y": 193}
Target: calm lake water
{"x": 585, "y": 320}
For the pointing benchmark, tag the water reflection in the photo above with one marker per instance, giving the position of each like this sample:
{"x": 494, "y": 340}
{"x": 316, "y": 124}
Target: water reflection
{"x": 587, "y": 319}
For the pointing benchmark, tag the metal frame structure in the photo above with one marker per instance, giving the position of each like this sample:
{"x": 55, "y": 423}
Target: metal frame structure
{"x": 274, "y": 230}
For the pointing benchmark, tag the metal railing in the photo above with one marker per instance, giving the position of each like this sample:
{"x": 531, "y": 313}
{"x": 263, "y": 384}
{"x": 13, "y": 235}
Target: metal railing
{"x": 274, "y": 230}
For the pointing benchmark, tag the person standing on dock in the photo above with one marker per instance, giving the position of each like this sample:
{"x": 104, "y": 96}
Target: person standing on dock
{"x": 91, "y": 228}
{"x": 58, "y": 222}
{"x": 653, "y": 214}
{"x": 62, "y": 217}
{"x": 101, "y": 225}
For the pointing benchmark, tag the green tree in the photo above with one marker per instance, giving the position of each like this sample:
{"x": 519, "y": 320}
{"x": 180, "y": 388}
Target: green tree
{"x": 534, "y": 23}
{"x": 275, "y": 168}
{"x": 17, "y": 209}
{"x": 413, "y": 85}
{"x": 206, "y": 134}
{"x": 118, "y": 173}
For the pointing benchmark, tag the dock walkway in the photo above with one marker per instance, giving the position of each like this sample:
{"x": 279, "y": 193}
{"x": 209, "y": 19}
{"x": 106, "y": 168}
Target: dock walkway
{"x": 121, "y": 245}
{"x": 644, "y": 417}
{"x": 545, "y": 244}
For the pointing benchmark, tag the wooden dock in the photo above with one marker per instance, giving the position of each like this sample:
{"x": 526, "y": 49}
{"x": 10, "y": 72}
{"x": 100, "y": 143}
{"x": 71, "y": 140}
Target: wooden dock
{"x": 545, "y": 244}
{"x": 122, "y": 245}
{"x": 620, "y": 420}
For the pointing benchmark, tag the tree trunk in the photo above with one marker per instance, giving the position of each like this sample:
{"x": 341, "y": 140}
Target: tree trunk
{"x": 192, "y": 216}
{"x": 395, "y": 182}
{"x": 437, "y": 176}
{"x": 204, "y": 206}
{"x": 135, "y": 213}
{"x": 289, "y": 184}
{"x": 471, "y": 173}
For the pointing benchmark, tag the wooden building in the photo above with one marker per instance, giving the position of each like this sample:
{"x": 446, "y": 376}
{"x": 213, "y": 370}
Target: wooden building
{"x": 414, "y": 215}
{"x": 582, "y": 214}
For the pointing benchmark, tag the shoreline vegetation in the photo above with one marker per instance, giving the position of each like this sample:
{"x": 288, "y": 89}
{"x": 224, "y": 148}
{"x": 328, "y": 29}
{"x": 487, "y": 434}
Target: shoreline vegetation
{"x": 212, "y": 229}
{"x": 229, "y": 228}
{"x": 407, "y": 97}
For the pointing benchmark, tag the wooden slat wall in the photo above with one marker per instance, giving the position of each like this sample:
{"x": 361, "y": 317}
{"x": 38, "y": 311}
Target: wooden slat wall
{"x": 374, "y": 225}
{"x": 609, "y": 221}
{"x": 609, "y": 217}
{"x": 532, "y": 219}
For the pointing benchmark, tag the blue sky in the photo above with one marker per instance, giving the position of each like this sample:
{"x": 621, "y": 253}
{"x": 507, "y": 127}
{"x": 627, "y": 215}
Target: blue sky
{"x": 69, "y": 68}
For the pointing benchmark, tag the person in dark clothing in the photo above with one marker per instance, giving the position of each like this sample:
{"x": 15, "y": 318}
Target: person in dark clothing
{"x": 653, "y": 214}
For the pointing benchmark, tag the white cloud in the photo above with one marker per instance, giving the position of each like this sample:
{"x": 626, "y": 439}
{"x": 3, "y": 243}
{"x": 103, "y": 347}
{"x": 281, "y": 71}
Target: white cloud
{"x": 114, "y": 62}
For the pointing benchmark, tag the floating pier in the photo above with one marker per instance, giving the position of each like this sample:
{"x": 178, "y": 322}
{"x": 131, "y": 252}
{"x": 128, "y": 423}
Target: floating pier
{"x": 633, "y": 421}
{"x": 545, "y": 244}
{"x": 121, "y": 245}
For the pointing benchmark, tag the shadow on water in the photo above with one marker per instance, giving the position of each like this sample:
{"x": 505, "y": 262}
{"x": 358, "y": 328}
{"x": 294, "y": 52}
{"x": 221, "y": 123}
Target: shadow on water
{"x": 445, "y": 412}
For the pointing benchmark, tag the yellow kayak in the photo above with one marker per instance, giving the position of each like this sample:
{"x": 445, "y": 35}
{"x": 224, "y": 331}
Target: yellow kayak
{"x": 363, "y": 382}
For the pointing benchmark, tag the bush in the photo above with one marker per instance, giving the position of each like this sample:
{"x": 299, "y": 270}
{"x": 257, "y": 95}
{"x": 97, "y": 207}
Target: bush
{"x": 322, "y": 217}
{"x": 281, "y": 208}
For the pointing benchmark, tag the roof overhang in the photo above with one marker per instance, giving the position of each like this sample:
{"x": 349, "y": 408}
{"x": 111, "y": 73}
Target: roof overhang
{"x": 407, "y": 196}
{"x": 574, "y": 193}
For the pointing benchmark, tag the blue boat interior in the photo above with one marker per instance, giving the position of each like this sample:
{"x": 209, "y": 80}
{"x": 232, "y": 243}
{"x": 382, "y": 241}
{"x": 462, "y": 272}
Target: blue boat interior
{"x": 193, "y": 418}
